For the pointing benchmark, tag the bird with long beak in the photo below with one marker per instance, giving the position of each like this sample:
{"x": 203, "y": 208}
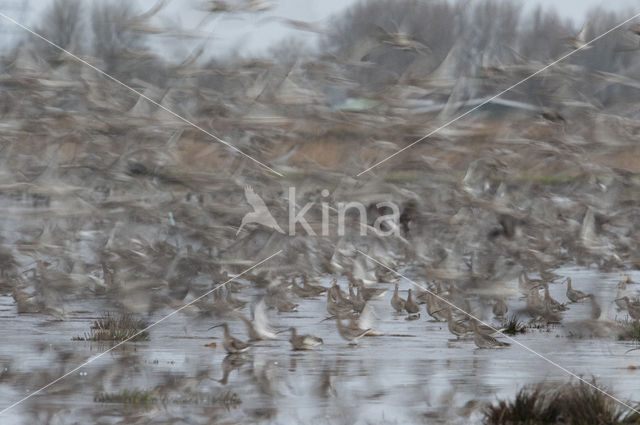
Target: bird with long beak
{"x": 573, "y": 294}
{"x": 633, "y": 307}
{"x": 231, "y": 344}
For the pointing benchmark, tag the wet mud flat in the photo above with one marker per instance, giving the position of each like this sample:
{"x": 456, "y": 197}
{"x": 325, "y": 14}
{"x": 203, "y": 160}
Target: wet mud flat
{"x": 415, "y": 371}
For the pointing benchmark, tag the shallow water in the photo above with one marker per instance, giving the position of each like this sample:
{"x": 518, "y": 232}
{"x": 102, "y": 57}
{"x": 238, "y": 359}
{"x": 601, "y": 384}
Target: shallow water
{"x": 416, "y": 371}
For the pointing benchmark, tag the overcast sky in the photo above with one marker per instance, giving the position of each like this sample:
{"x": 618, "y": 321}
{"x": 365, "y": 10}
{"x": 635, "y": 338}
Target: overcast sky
{"x": 254, "y": 34}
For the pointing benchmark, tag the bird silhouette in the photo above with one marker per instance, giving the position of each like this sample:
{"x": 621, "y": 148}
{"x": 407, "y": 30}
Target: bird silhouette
{"x": 260, "y": 214}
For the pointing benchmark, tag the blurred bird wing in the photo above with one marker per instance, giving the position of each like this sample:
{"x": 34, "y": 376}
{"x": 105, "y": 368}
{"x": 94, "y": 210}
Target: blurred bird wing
{"x": 310, "y": 340}
{"x": 367, "y": 317}
{"x": 260, "y": 320}
{"x": 160, "y": 4}
{"x": 582, "y": 35}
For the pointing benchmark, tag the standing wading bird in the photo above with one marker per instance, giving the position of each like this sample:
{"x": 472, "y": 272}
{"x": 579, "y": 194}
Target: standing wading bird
{"x": 302, "y": 291}
{"x": 633, "y": 307}
{"x": 231, "y": 344}
{"x": 550, "y": 303}
{"x": 396, "y": 302}
{"x": 337, "y": 303}
{"x": 573, "y": 294}
{"x": 260, "y": 214}
{"x": 436, "y": 308}
{"x": 483, "y": 340}
{"x": 525, "y": 284}
{"x": 456, "y": 327}
{"x": 500, "y": 307}
{"x": 367, "y": 293}
{"x": 303, "y": 342}
{"x": 316, "y": 289}
{"x": 411, "y": 306}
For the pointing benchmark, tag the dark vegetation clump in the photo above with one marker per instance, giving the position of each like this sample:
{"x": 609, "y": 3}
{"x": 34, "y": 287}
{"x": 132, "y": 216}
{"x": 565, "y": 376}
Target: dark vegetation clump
{"x": 513, "y": 326}
{"x": 226, "y": 399}
{"x": 629, "y": 330}
{"x": 118, "y": 328}
{"x": 572, "y": 403}
{"x": 138, "y": 397}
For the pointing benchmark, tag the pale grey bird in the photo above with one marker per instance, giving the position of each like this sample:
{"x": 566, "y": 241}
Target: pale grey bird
{"x": 580, "y": 40}
{"x": 366, "y": 320}
{"x": 351, "y": 332}
{"x": 259, "y": 328}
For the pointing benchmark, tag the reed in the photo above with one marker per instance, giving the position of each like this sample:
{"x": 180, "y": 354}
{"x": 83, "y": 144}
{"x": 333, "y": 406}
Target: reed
{"x": 571, "y": 403}
{"x": 120, "y": 327}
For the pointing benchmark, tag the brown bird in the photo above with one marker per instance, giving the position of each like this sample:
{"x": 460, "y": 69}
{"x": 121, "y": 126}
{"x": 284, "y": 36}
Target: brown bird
{"x": 633, "y": 307}
{"x": 486, "y": 341}
{"x": 436, "y": 308}
{"x": 231, "y": 344}
{"x": 410, "y": 305}
{"x": 573, "y": 294}
{"x": 458, "y": 328}
{"x": 500, "y": 308}
{"x": 550, "y": 303}
{"x": 303, "y": 342}
{"x": 396, "y": 302}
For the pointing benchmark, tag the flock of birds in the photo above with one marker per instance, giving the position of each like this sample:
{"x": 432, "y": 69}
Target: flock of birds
{"x": 130, "y": 214}
{"x": 119, "y": 205}
{"x": 448, "y": 305}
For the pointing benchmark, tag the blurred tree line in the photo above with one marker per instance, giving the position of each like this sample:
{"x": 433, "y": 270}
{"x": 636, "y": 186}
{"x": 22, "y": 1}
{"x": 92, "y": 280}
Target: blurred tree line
{"x": 483, "y": 36}
{"x": 375, "y": 44}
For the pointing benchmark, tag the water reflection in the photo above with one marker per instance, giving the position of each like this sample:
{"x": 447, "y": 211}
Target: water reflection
{"x": 429, "y": 375}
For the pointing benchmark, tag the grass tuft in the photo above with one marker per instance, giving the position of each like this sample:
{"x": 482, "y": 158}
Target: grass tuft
{"x": 572, "y": 403}
{"x": 227, "y": 399}
{"x": 629, "y": 330}
{"x": 127, "y": 397}
{"x": 513, "y": 326}
{"x": 119, "y": 327}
